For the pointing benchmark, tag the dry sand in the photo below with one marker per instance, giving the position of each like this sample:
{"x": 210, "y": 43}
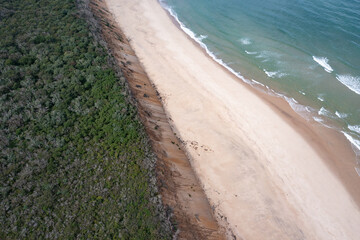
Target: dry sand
{"x": 182, "y": 196}
{"x": 263, "y": 177}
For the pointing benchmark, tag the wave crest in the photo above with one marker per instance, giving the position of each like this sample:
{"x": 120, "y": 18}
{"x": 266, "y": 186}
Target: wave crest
{"x": 321, "y": 97}
{"x": 202, "y": 37}
{"x": 323, "y": 61}
{"x": 341, "y": 115}
{"x": 355, "y": 128}
{"x": 352, "y": 83}
{"x": 324, "y": 112}
{"x": 250, "y": 53}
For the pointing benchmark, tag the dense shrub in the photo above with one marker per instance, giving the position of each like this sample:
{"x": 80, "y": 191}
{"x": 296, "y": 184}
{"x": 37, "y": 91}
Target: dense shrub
{"x": 75, "y": 163}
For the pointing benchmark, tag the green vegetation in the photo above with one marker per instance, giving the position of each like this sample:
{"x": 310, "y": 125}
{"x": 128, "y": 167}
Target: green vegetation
{"x": 75, "y": 162}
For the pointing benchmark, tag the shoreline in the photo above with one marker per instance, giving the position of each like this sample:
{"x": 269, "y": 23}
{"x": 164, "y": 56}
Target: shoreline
{"x": 263, "y": 89}
{"x": 270, "y": 99}
{"x": 280, "y": 198}
{"x": 328, "y": 142}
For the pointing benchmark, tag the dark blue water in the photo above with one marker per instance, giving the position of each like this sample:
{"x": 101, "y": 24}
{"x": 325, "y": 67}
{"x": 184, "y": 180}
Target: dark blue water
{"x": 307, "y": 52}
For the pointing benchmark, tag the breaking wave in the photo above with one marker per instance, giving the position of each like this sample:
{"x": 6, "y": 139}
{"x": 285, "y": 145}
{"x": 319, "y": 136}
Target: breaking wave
{"x": 355, "y": 128}
{"x": 250, "y": 53}
{"x": 353, "y": 83}
{"x": 341, "y": 115}
{"x": 302, "y": 92}
{"x": 202, "y": 37}
{"x": 324, "y": 112}
{"x": 274, "y": 74}
{"x": 323, "y": 61}
{"x": 321, "y": 98}
{"x": 258, "y": 83}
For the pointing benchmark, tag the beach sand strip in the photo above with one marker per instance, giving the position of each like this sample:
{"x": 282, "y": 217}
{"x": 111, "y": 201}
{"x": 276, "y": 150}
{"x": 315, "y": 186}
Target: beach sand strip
{"x": 180, "y": 190}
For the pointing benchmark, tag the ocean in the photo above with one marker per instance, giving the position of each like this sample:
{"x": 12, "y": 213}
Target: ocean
{"x": 307, "y": 52}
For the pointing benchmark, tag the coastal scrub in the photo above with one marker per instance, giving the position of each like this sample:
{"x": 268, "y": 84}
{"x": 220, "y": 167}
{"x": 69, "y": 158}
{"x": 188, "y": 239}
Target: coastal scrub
{"x": 75, "y": 162}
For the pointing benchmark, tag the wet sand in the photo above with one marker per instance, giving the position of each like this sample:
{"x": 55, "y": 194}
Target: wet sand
{"x": 266, "y": 172}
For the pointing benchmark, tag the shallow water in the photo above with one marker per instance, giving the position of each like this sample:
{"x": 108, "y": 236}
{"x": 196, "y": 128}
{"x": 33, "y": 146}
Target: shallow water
{"x": 307, "y": 52}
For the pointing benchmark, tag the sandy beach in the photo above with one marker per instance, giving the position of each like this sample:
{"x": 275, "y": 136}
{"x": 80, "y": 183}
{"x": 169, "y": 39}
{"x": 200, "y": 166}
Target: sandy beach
{"x": 266, "y": 173}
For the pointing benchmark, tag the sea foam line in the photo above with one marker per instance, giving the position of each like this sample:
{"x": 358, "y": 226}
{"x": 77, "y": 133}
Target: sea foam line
{"x": 324, "y": 112}
{"x": 300, "y": 109}
{"x": 355, "y": 143}
{"x": 198, "y": 40}
{"x": 323, "y": 61}
{"x": 258, "y": 83}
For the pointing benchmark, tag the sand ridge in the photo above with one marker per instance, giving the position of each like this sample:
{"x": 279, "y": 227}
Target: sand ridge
{"x": 183, "y": 198}
{"x": 264, "y": 180}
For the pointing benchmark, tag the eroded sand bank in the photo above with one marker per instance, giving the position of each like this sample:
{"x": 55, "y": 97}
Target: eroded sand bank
{"x": 263, "y": 178}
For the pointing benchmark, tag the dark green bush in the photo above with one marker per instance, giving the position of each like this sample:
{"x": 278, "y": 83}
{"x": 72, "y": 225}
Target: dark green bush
{"x": 74, "y": 159}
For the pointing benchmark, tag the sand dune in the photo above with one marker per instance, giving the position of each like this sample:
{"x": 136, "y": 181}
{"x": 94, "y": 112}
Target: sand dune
{"x": 264, "y": 179}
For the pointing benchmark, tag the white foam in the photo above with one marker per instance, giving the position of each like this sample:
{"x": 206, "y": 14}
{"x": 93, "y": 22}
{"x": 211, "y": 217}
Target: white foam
{"x": 250, "y": 53}
{"x": 292, "y": 102}
{"x": 247, "y": 81}
{"x": 303, "y": 93}
{"x": 300, "y": 109}
{"x": 305, "y": 111}
{"x": 318, "y": 119}
{"x": 297, "y": 107}
{"x": 323, "y": 61}
{"x": 280, "y": 75}
{"x": 273, "y": 93}
{"x": 353, "y": 83}
{"x": 258, "y": 83}
{"x": 310, "y": 109}
{"x": 274, "y": 74}
{"x": 354, "y": 142}
{"x": 320, "y": 98}
{"x": 322, "y": 122}
{"x": 341, "y": 115}
{"x": 324, "y": 112}
{"x": 203, "y": 45}
{"x": 245, "y": 41}
{"x": 202, "y": 37}
{"x": 355, "y": 128}
{"x": 270, "y": 74}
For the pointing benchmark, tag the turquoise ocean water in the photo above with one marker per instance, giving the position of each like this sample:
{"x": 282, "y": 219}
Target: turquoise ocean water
{"x": 305, "y": 51}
